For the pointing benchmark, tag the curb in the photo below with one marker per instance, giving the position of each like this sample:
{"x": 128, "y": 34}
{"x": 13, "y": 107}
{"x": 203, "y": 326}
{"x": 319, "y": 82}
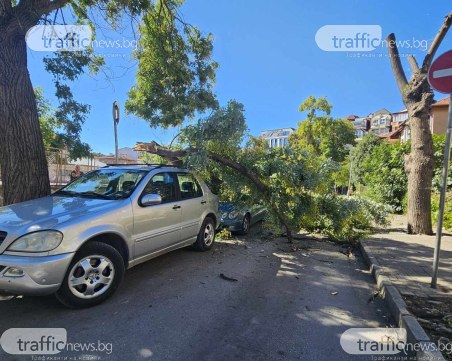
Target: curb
{"x": 399, "y": 310}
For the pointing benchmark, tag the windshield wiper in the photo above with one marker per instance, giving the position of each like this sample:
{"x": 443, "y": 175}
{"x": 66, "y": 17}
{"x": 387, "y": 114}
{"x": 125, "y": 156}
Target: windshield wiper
{"x": 94, "y": 194}
{"x": 65, "y": 193}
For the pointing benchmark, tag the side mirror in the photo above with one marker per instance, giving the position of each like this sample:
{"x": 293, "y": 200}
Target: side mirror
{"x": 151, "y": 200}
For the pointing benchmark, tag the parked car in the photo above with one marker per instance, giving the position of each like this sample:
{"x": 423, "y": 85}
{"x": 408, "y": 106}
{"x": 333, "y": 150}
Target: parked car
{"x": 78, "y": 242}
{"x": 239, "y": 217}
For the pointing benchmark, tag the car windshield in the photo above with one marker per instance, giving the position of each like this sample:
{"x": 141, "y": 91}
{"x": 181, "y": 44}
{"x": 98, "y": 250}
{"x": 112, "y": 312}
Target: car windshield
{"x": 104, "y": 183}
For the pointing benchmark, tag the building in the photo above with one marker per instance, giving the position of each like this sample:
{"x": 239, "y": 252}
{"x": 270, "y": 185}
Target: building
{"x": 399, "y": 125}
{"x": 438, "y": 116}
{"x": 360, "y": 124}
{"x": 380, "y": 122}
{"x": 110, "y": 159}
{"x": 437, "y": 121}
{"x": 393, "y": 136}
{"x": 129, "y": 153}
{"x": 278, "y": 137}
{"x": 126, "y": 155}
{"x": 395, "y": 127}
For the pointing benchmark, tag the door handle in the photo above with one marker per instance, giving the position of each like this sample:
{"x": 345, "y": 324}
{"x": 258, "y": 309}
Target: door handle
{"x": 176, "y": 206}
{"x": 203, "y": 202}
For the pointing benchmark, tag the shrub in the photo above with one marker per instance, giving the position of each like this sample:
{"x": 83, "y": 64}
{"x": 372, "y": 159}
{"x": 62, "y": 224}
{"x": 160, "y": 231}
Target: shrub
{"x": 447, "y": 222}
{"x": 345, "y": 219}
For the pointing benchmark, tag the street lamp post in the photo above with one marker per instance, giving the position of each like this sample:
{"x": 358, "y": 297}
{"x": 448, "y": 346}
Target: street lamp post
{"x": 115, "y": 123}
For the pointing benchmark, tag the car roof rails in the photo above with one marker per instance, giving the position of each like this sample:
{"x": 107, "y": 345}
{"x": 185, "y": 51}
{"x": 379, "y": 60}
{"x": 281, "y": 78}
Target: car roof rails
{"x": 128, "y": 165}
{"x": 161, "y": 165}
{"x": 155, "y": 165}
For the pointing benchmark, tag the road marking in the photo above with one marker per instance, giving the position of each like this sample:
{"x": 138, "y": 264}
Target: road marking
{"x": 442, "y": 73}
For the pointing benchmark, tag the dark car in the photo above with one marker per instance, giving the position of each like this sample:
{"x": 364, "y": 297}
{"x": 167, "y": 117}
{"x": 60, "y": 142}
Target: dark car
{"x": 239, "y": 217}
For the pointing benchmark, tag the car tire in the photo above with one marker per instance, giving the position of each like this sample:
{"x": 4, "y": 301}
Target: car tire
{"x": 94, "y": 274}
{"x": 206, "y": 235}
{"x": 246, "y": 224}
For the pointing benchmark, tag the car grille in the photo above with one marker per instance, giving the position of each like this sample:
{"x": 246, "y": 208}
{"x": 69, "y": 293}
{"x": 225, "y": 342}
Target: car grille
{"x": 2, "y": 236}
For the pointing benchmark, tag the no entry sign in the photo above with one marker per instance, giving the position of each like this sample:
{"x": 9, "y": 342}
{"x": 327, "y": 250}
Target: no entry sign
{"x": 440, "y": 73}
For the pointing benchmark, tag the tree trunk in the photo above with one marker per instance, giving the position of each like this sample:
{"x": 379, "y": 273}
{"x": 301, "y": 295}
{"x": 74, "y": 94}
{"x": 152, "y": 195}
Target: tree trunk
{"x": 419, "y": 169}
{"x": 23, "y": 162}
{"x": 418, "y": 99}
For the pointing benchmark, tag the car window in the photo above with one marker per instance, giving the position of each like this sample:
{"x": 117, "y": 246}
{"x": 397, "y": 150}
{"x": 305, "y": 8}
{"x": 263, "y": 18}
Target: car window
{"x": 163, "y": 184}
{"x": 189, "y": 186}
{"x": 107, "y": 183}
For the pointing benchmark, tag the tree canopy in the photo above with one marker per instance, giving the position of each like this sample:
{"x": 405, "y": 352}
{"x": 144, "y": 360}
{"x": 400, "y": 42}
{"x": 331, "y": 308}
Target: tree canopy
{"x": 293, "y": 183}
{"x": 175, "y": 70}
{"x": 174, "y": 80}
{"x": 57, "y": 133}
{"x": 320, "y": 134}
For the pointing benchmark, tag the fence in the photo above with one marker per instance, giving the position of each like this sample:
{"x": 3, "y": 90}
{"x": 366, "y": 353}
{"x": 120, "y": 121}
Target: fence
{"x": 60, "y": 169}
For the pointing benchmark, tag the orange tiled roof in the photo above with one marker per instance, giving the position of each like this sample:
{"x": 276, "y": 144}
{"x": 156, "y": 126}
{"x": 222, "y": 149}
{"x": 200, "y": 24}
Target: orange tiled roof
{"x": 389, "y": 135}
{"x": 442, "y": 103}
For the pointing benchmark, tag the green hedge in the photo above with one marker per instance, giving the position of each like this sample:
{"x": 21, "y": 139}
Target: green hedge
{"x": 447, "y": 223}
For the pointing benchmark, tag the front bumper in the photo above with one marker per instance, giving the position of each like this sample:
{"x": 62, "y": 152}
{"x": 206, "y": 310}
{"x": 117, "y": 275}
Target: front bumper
{"x": 233, "y": 225}
{"x": 41, "y": 275}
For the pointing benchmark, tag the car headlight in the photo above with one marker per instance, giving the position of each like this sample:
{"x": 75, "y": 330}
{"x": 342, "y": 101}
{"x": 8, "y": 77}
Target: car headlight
{"x": 41, "y": 241}
{"x": 224, "y": 215}
{"x": 233, "y": 214}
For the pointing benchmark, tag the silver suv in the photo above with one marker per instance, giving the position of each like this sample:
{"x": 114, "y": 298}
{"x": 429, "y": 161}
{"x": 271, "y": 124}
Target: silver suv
{"x": 78, "y": 242}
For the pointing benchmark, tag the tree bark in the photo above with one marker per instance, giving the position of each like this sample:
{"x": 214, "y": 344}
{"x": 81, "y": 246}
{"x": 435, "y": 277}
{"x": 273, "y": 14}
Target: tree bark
{"x": 419, "y": 169}
{"x": 23, "y": 162}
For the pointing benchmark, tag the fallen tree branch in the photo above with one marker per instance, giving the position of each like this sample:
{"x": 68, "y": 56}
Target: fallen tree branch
{"x": 174, "y": 156}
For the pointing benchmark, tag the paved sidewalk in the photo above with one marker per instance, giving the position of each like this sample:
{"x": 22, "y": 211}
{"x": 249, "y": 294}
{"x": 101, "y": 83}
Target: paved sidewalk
{"x": 407, "y": 259}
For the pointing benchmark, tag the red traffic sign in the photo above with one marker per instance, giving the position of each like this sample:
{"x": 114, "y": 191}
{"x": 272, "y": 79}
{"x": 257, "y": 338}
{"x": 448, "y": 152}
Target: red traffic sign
{"x": 440, "y": 73}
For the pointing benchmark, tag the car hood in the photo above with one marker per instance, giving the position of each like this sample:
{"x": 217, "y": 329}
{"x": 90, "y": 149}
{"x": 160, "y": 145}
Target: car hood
{"x": 48, "y": 212}
{"x": 226, "y": 207}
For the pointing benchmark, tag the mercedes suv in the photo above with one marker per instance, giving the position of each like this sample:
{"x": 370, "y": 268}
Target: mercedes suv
{"x": 78, "y": 242}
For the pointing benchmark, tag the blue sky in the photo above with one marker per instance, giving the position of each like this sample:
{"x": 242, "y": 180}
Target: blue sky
{"x": 269, "y": 61}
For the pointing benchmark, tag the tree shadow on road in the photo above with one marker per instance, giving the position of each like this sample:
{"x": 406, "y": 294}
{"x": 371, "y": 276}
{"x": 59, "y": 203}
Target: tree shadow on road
{"x": 281, "y": 303}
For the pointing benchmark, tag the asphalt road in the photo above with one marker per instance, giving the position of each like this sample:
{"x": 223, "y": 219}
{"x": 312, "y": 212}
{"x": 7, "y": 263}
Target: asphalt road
{"x": 283, "y": 306}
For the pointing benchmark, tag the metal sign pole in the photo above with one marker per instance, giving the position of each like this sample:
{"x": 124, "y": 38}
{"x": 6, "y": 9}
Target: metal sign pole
{"x": 442, "y": 198}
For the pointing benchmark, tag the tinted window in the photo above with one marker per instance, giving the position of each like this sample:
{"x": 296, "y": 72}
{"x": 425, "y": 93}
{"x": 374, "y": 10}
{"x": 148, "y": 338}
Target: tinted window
{"x": 163, "y": 184}
{"x": 188, "y": 185}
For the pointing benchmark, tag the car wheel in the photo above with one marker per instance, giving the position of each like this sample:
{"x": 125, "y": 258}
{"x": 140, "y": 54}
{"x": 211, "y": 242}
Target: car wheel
{"x": 206, "y": 235}
{"x": 246, "y": 223}
{"x": 93, "y": 275}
